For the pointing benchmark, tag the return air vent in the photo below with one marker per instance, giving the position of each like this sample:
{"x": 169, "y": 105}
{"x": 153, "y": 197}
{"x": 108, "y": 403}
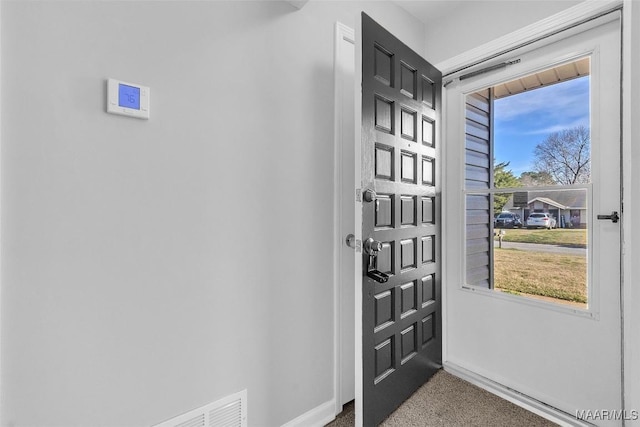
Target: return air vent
{"x": 230, "y": 411}
{"x": 196, "y": 422}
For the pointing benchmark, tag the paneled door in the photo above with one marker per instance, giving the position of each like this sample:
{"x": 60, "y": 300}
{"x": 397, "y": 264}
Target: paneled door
{"x": 401, "y": 323}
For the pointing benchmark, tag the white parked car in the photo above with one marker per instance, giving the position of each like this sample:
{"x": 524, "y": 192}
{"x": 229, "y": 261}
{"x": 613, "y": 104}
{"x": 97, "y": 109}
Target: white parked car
{"x": 541, "y": 219}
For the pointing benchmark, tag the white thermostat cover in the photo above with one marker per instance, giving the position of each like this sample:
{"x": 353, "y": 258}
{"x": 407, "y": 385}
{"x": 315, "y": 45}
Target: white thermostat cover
{"x": 128, "y": 99}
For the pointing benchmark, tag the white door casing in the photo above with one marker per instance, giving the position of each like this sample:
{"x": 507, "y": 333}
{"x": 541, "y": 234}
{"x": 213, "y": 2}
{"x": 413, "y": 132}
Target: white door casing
{"x": 344, "y": 182}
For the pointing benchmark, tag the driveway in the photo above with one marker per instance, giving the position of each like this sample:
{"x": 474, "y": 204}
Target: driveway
{"x": 554, "y": 249}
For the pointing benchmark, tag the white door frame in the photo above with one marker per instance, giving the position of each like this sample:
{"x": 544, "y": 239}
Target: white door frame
{"x": 631, "y": 196}
{"x": 343, "y": 130}
{"x": 345, "y": 39}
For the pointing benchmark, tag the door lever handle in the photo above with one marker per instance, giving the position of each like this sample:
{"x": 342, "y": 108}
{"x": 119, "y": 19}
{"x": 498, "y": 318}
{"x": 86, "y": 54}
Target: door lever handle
{"x": 614, "y": 217}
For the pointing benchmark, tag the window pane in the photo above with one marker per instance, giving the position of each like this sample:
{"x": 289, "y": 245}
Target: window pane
{"x": 542, "y": 135}
{"x": 540, "y": 247}
{"x": 531, "y": 137}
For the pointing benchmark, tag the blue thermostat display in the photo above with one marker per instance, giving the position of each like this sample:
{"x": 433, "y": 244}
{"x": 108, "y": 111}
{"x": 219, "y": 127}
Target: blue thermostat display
{"x": 128, "y": 96}
{"x": 128, "y": 99}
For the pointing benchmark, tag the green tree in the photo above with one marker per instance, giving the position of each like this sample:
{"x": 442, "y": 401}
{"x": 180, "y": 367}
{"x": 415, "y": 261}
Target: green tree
{"x": 503, "y": 178}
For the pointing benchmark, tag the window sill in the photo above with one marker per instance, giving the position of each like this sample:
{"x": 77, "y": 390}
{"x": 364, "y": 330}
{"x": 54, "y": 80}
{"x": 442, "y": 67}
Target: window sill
{"x": 534, "y": 301}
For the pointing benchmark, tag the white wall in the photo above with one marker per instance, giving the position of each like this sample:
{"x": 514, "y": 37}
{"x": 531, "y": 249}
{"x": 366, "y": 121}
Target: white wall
{"x": 474, "y": 23}
{"x": 153, "y": 267}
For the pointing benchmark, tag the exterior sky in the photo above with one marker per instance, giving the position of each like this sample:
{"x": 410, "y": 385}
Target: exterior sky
{"x": 523, "y": 121}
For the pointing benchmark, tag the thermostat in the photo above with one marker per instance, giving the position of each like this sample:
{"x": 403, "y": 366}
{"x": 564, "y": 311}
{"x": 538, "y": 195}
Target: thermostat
{"x": 128, "y": 99}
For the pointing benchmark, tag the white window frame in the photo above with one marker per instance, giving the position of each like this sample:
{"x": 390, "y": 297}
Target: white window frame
{"x": 454, "y": 191}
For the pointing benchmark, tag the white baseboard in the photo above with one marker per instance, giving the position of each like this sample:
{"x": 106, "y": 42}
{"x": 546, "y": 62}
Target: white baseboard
{"x": 530, "y": 404}
{"x": 316, "y": 417}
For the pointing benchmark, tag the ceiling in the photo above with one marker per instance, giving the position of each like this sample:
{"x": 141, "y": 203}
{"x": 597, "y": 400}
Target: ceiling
{"x": 432, "y": 10}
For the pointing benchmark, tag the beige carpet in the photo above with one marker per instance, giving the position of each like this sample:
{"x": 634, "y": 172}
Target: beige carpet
{"x": 449, "y": 401}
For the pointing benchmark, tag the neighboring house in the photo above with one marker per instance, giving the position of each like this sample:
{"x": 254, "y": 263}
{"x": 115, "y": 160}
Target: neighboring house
{"x": 569, "y": 207}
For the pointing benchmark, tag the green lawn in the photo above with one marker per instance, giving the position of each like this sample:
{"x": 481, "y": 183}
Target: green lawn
{"x": 576, "y": 238}
{"x": 556, "y": 276}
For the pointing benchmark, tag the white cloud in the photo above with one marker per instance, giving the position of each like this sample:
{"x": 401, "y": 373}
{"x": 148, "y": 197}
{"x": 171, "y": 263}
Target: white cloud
{"x": 560, "y": 103}
{"x": 559, "y": 127}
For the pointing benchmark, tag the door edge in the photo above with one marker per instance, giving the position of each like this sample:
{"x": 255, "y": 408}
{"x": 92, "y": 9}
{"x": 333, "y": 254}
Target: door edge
{"x": 359, "y": 392}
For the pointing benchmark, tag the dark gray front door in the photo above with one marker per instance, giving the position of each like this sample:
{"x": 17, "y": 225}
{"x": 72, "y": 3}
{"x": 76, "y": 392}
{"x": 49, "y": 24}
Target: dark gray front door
{"x": 401, "y": 322}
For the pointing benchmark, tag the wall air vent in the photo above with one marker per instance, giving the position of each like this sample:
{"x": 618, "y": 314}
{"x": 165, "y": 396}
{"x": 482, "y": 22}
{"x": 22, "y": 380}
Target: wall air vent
{"x": 230, "y": 411}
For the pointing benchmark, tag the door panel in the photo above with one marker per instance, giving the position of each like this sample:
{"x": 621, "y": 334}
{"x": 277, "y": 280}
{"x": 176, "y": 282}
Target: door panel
{"x": 401, "y": 321}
